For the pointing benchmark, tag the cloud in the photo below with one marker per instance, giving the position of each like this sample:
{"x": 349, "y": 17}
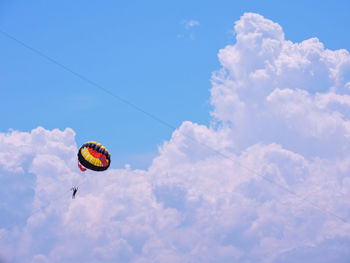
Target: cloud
{"x": 280, "y": 121}
{"x": 191, "y": 23}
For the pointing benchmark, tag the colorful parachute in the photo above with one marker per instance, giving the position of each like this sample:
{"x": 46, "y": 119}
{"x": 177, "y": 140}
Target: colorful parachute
{"x": 93, "y": 156}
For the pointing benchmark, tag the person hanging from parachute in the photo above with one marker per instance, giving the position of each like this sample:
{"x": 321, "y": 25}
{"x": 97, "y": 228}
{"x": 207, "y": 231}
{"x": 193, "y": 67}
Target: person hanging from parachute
{"x": 93, "y": 156}
{"x": 75, "y": 190}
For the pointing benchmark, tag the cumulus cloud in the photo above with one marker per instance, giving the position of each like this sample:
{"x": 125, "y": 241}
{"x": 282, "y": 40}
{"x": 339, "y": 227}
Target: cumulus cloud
{"x": 266, "y": 182}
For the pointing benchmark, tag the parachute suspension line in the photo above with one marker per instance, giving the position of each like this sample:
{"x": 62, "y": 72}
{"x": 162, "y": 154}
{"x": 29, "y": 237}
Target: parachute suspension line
{"x": 159, "y": 120}
{"x": 101, "y": 154}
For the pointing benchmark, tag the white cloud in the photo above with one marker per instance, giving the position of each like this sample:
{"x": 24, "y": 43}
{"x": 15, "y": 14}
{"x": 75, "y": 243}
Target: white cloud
{"x": 191, "y": 23}
{"x": 189, "y": 26}
{"x": 281, "y": 115}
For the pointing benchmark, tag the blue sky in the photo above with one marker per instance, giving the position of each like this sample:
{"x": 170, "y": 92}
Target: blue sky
{"x": 138, "y": 50}
{"x": 254, "y": 166}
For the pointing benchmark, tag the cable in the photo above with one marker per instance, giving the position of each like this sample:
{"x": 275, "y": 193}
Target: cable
{"x": 85, "y": 79}
{"x": 159, "y": 120}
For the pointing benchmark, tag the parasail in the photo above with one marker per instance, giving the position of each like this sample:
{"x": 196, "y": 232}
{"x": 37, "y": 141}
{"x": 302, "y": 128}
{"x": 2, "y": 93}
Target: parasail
{"x": 94, "y": 156}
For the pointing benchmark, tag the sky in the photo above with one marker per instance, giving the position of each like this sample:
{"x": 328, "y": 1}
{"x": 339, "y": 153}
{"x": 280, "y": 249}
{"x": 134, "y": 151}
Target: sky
{"x": 144, "y": 52}
{"x": 251, "y": 166}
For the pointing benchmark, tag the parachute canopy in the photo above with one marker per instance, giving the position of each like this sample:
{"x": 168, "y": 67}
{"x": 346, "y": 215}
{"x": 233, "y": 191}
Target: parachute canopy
{"x": 94, "y": 156}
